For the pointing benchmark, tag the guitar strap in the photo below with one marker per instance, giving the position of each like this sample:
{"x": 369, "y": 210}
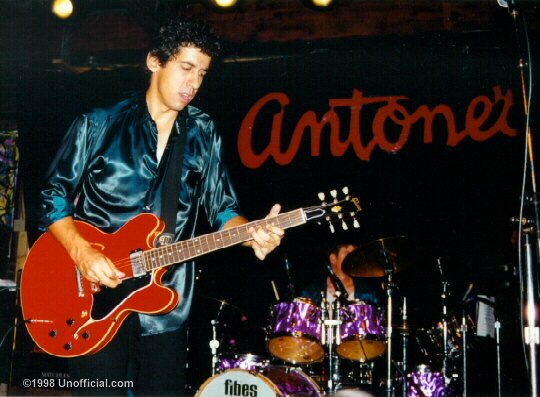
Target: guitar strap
{"x": 171, "y": 185}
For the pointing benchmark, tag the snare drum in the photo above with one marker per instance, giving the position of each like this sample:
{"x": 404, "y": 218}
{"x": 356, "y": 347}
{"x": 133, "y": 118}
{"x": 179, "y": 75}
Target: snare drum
{"x": 295, "y": 332}
{"x": 273, "y": 381}
{"x": 363, "y": 337}
{"x": 250, "y": 362}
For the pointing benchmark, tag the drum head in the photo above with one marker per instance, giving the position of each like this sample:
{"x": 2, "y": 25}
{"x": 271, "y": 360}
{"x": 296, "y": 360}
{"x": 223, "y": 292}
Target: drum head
{"x": 296, "y": 350}
{"x": 361, "y": 350}
{"x": 238, "y": 382}
{"x": 273, "y": 381}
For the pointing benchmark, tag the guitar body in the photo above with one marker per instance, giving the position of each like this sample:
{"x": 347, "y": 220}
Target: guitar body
{"x": 67, "y": 315}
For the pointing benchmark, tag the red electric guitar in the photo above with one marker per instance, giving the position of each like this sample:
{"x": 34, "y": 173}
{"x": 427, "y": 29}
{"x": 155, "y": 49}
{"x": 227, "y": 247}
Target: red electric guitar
{"x": 67, "y": 315}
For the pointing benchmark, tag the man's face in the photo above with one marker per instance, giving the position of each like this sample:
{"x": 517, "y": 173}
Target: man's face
{"x": 176, "y": 83}
{"x": 337, "y": 260}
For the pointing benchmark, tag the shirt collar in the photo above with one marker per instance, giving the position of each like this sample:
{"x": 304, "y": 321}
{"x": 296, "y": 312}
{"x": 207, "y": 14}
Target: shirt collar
{"x": 143, "y": 115}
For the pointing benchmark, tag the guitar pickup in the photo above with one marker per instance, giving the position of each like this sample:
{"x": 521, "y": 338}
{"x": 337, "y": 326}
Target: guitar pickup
{"x": 137, "y": 265}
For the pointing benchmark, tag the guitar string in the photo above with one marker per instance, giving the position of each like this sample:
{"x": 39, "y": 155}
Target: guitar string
{"x": 224, "y": 235}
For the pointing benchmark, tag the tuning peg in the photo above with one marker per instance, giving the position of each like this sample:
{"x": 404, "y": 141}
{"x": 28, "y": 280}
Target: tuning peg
{"x": 345, "y": 190}
{"x": 333, "y": 193}
{"x": 344, "y": 225}
{"x": 356, "y": 224}
{"x": 332, "y": 230}
{"x": 321, "y": 196}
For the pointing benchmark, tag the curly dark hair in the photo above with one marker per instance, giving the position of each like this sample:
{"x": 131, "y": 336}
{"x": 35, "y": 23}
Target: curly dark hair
{"x": 182, "y": 32}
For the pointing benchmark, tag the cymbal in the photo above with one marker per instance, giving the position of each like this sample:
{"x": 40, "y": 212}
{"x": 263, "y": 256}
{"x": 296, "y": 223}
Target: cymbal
{"x": 374, "y": 258}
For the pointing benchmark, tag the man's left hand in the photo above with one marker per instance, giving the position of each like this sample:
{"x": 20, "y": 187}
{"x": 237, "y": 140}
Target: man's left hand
{"x": 265, "y": 240}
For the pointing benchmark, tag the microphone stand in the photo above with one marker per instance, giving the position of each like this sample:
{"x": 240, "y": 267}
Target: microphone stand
{"x": 531, "y": 330}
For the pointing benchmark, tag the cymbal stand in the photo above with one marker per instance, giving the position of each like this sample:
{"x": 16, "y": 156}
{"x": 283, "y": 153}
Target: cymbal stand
{"x": 405, "y": 342}
{"x": 389, "y": 290}
{"x": 444, "y": 295}
{"x": 331, "y": 337}
{"x": 498, "y": 341}
{"x": 214, "y": 343}
{"x": 464, "y": 344}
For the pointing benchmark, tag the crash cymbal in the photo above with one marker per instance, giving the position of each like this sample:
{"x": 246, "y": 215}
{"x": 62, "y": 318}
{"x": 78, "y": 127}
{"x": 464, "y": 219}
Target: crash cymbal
{"x": 374, "y": 258}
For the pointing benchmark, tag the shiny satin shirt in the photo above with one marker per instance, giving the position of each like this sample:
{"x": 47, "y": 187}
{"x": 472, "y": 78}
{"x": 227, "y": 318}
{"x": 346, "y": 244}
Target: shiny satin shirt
{"x": 106, "y": 172}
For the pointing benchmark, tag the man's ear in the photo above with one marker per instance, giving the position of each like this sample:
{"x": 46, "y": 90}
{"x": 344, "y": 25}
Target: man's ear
{"x": 152, "y": 63}
{"x": 332, "y": 258}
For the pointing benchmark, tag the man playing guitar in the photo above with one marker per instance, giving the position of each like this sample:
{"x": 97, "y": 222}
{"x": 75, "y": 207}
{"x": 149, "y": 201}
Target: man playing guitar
{"x": 111, "y": 167}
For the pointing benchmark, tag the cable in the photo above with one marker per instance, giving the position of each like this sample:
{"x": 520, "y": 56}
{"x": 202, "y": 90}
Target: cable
{"x": 526, "y": 164}
{"x": 9, "y": 330}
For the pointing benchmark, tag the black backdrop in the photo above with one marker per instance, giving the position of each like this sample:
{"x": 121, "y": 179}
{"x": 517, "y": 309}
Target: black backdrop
{"x": 450, "y": 202}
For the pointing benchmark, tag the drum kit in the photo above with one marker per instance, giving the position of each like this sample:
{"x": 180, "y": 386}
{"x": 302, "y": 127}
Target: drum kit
{"x": 331, "y": 348}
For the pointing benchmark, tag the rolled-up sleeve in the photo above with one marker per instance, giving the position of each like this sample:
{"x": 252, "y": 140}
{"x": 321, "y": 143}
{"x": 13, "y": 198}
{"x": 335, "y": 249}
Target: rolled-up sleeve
{"x": 219, "y": 198}
{"x": 65, "y": 174}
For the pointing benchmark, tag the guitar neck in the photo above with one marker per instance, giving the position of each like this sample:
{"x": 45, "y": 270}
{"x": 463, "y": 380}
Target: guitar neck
{"x": 186, "y": 250}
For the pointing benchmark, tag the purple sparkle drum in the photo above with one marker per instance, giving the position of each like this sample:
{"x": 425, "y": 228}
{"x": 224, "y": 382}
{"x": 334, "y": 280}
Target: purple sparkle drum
{"x": 424, "y": 383}
{"x": 363, "y": 336}
{"x": 250, "y": 362}
{"x": 295, "y": 332}
{"x": 273, "y": 381}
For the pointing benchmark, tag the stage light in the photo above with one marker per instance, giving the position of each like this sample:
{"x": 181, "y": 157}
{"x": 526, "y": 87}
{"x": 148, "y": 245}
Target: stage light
{"x": 225, "y": 3}
{"x": 62, "y": 8}
{"x": 322, "y": 3}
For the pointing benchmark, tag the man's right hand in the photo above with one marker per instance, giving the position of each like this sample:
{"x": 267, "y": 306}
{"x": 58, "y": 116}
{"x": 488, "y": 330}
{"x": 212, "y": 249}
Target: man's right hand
{"x": 95, "y": 266}
{"x": 92, "y": 263}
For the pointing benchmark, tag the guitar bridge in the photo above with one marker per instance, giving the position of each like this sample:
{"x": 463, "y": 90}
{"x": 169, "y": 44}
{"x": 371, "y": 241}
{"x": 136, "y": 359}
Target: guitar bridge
{"x": 137, "y": 266}
{"x": 80, "y": 287}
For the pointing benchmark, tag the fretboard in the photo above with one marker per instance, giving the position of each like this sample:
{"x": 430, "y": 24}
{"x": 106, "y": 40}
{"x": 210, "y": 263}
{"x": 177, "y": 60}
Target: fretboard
{"x": 186, "y": 250}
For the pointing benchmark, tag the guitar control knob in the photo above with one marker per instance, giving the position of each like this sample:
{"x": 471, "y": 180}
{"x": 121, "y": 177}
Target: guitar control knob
{"x": 67, "y": 346}
{"x": 70, "y": 322}
{"x": 86, "y": 335}
{"x": 53, "y": 333}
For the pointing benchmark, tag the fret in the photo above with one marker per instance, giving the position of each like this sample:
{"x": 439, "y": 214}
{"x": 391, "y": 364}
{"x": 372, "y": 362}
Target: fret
{"x": 188, "y": 250}
{"x": 160, "y": 257}
{"x": 182, "y": 251}
{"x": 197, "y": 246}
{"x": 152, "y": 260}
{"x": 170, "y": 252}
{"x": 209, "y": 242}
{"x": 225, "y": 237}
{"x": 217, "y": 239}
{"x": 144, "y": 260}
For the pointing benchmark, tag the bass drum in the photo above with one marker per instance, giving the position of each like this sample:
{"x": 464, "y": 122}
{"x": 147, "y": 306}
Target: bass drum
{"x": 272, "y": 381}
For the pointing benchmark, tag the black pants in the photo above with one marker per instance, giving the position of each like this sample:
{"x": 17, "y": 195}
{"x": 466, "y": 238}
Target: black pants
{"x": 155, "y": 364}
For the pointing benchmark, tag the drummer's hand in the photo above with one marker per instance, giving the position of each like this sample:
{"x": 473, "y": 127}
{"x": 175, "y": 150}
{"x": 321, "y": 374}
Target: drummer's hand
{"x": 266, "y": 239}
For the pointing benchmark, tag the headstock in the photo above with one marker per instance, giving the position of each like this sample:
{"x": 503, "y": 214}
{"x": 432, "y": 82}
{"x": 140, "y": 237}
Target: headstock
{"x": 335, "y": 209}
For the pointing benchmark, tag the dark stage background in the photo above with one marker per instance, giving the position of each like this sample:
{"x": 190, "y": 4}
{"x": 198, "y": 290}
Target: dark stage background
{"x": 450, "y": 202}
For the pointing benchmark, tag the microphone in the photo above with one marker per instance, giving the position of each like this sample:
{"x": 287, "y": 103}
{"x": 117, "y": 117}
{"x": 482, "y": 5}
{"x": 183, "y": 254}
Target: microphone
{"x": 439, "y": 266}
{"x": 467, "y": 293}
{"x": 337, "y": 282}
{"x": 290, "y": 286}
